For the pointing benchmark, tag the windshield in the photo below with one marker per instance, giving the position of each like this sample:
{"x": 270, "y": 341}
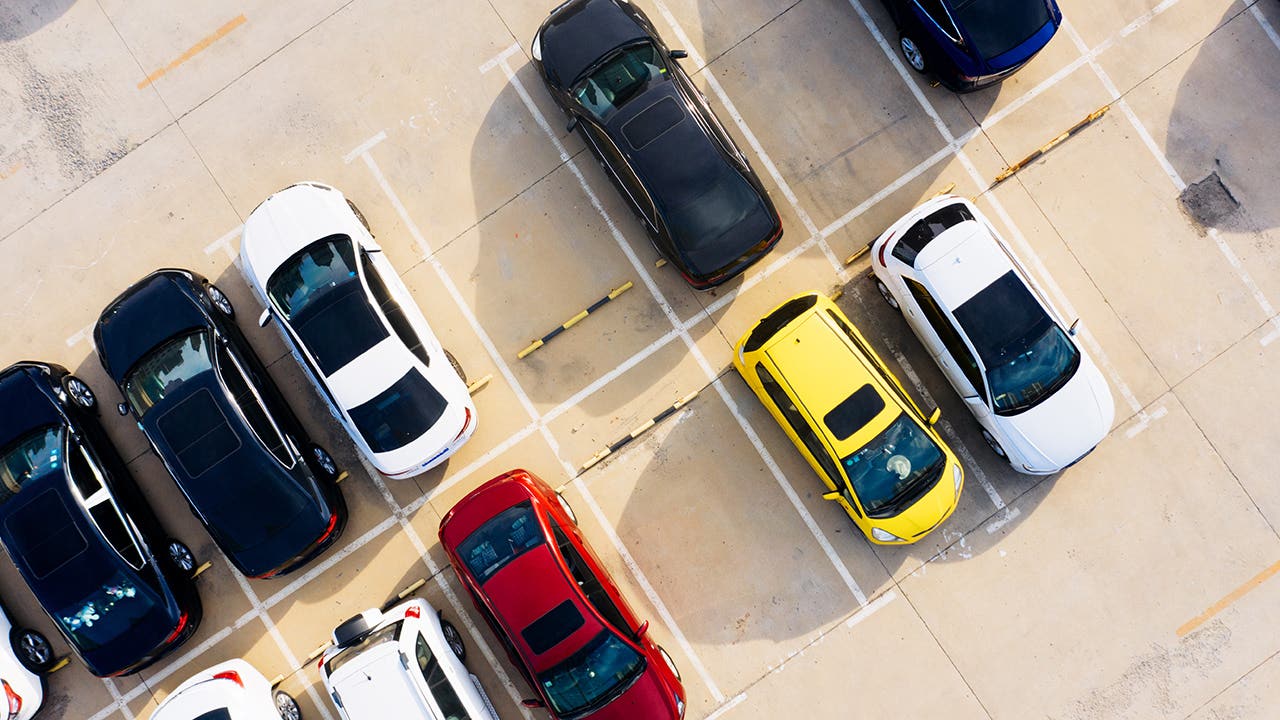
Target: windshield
{"x": 109, "y": 612}
{"x": 618, "y": 79}
{"x": 319, "y": 292}
{"x": 165, "y": 369}
{"x": 381, "y": 636}
{"x": 399, "y": 415}
{"x": 33, "y": 455}
{"x": 1027, "y": 356}
{"x": 591, "y": 676}
{"x": 503, "y": 538}
{"x": 998, "y": 26}
{"x": 887, "y": 470}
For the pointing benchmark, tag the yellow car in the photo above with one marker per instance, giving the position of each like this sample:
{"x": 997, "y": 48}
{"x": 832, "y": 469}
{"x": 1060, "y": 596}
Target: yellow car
{"x": 876, "y": 452}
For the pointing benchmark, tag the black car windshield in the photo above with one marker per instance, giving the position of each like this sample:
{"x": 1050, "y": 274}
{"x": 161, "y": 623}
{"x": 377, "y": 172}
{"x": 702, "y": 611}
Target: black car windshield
{"x": 998, "y": 26}
{"x": 29, "y": 457}
{"x": 892, "y": 466}
{"x": 166, "y": 368}
{"x": 110, "y": 611}
{"x": 1027, "y": 356}
{"x": 400, "y": 414}
{"x": 619, "y": 79}
{"x": 319, "y": 292}
{"x": 502, "y": 538}
{"x": 591, "y": 676}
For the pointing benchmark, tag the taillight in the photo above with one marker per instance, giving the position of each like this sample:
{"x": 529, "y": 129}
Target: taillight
{"x": 466, "y": 423}
{"x": 182, "y": 625}
{"x": 883, "y": 247}
{"x": 15, "y": 702}
{"x": 333, "y": 523}
{"x": 231, "y": 675}
{"x": 412, "y": 612}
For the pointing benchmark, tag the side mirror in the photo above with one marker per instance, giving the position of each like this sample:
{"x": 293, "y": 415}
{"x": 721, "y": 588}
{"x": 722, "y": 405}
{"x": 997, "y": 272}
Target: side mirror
{"x": 1075, "y": 328}
{"x": 678, "y": 54}
{"x": 123, "y": 409}
{"x": 835, "y": 495}
{"x": 532, "y": 703}
{"x": 936, "y": 416}
{"x": 642, "y": 630}
{"x": 573, "y": 123}
{"x": 265, "y": 317}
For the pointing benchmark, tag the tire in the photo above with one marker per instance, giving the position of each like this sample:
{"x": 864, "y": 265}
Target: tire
{"x": 359, "y": 216}
{"x": 325, "y": 461}
{"x": 32, "y": 650}
{"x": 181, "y": 556}
{"x": 457, "y": 367}
{"x": 454, "y": 639}
{"x": 286, "y": 707}
{"x": 913, "y": 53}
{"x": 889, "y": 299}
{"x": 80, "y": 392}
{"x": 995, "y": 445}
{"x": 221, "y": 301}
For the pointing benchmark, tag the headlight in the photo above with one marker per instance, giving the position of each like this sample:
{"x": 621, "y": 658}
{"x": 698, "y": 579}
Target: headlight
{"x": 1028, "y": 468}
{"x": 679, "y": 704}
{"x": 959, "y": 476}
{"x": 883, "y": 536}
{"x": 536, "y": 50}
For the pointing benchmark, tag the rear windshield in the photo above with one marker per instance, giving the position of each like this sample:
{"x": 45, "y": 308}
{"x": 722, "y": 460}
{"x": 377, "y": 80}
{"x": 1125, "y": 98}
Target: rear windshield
{"x": 506, "y": 536}
{"x": 29, "y": 457}
{"x": 165, "y": 369}
{"x": 401, "y": 414}
{"x": 44, "y": 533}
{"x": 927, "y": 228}
{"x": 388, "y": 634}
{"x": 110, "y": 611}
{"x": 998, "y": 26}
{"x": 776, "y": 320}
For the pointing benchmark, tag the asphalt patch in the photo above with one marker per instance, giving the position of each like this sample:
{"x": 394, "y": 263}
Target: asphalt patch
{"x": 1209, "y": 202}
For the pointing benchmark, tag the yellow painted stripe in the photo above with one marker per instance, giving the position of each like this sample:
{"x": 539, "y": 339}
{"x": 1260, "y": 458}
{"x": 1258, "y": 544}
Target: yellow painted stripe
{"x": 194, "y": 50}
{"x": 11, "y": 171}
{"x": 1233, "y": 596}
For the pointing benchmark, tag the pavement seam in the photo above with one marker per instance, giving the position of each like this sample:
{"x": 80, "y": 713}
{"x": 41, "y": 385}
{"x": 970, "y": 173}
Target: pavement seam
{"x": 943, "y": 649}
{"x": 1232, "y": 684}
{"x": 708, "y": 61}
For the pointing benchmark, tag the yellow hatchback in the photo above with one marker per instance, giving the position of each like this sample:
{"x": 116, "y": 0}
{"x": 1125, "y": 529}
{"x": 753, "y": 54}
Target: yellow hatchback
{"x": 876, "y": 452}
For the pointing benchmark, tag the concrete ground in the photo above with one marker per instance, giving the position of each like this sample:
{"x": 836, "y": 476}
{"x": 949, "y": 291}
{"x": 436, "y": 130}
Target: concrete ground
{"x": 138, "y": 134}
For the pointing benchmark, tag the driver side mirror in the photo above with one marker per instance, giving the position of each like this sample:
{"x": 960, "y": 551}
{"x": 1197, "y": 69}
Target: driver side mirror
{"x": 573, "y": 123}
{"x": 265, "y": 317}
{"x": 1075, "y": 328}
{"x": 834, "y": 495}
{"x": 678, "y": 54}
{"x": 123, "y": 409}
{"x": 935, "y": 417}
{"x": 532, "y": 703}
{"x": 642, "y": 630}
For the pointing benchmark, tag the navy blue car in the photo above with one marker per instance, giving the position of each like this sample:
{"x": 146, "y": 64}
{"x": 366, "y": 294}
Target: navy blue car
{"x": 267, "y": 495}
{"x": 77, "y": 528}
{"x": 969, "y": 44}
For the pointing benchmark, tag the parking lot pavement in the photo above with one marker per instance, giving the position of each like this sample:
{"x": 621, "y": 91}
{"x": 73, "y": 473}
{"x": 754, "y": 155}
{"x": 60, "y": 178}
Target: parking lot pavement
{"x": 1140, "y": 581}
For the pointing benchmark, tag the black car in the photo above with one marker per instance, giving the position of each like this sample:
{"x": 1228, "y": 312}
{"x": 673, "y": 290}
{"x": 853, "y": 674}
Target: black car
{"x": 265, "y": 492}
{"x": 78, "y": 530}
{"x": 651, "y": 128}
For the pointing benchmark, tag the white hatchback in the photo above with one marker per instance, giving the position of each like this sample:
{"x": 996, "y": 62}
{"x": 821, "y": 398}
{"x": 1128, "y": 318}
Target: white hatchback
{"x": 405, "y": 663}
{"x": 1042, "y": 403}
{"x": 351, "y": 322}
{"x": 27, "y": 655}
{"x": 233, "y": 690}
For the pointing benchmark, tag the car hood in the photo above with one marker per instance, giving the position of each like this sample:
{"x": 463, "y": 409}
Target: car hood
{"x": 1068, "y": 424}
{"x": 580, "y": 33}
{"x": 646, "y": 698}
{"x": 928, "y": 512}
{"x": 147, "y": 314}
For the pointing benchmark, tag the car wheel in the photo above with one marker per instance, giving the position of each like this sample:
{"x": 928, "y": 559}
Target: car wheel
{"x": 888, "y": 296}
{"x": 454, "y": 638}
{"x": 181, "y": 557}
{"x": 994, "y": 445}
{"x": 913, "y": 53}
{"x": 568, "y": 510}
{"x": 81, "y": 394}
{"x": 287, "y": 707}
{"x": 32, "y": 649}
{"x": 221, "y": 301}
{"x": 359, "y": 216}
{"x": 457, "y": 367}
{"x": 325, "y": 461}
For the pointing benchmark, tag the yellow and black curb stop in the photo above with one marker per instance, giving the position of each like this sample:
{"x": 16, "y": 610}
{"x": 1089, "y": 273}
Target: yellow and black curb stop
{"x": 62, "y": 662}
{"x": 475, "y": 387}
{"x": 200, "y": 570}
{"x": 623, "y": 441}
{"x": 1088, "y": 120}
{"x": 613, "y": 295}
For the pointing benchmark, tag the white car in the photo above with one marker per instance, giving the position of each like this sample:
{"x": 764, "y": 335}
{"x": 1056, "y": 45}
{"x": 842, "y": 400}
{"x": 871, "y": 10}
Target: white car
{"x": 1042, "y": 403}
{"x": 351, "y": 322}
{"x": 406, "y": 664}
{"x": 27, "y": 655}
{"x": 233, "y": 690}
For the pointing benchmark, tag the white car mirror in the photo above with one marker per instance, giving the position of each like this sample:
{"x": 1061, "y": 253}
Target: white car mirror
{"x": 265, "y": 317}
{"x": 1075, "y": 328}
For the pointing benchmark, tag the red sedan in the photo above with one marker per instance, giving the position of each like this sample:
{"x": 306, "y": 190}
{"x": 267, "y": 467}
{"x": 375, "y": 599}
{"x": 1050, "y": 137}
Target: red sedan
{"x": 516, "y": 546}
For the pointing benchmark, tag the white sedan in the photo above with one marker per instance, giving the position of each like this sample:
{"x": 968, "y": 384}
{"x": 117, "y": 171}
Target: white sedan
{"x": 1041, "y": 401}
{"x": 351, "y": 322}
{"x": 28, "y": 654}
{"x": 233, "y": 690}
{"x": 404, "y": 663}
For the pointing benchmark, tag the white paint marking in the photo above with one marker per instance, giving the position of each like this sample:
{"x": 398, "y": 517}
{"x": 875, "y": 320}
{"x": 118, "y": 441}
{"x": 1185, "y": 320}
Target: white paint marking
{"x": 870, "y": 609}
{"x": 734, "y": 702}
{"x": 648, "y": 589}
{"x": 318, "y": 569}
{"x": 83, "y": 334}
{"x": 118, "y": 698}
{"x": 225, "y": 245}
{"x": 364, "y": 147}
{"x": 499, "y": 58}
{"x": 1142, "y": 423}
{"x": 1266, "y": 24}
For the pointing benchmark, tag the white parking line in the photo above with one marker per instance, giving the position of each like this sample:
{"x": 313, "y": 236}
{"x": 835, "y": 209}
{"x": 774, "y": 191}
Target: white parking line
{"x": 870, "y": 608}
{"x": 118, "y": 698}
{"x": 694, "y": 350}
{"x": 225, "y": 244}
{"x": 1265, "y": 23}
{"x": 734, "y": 702}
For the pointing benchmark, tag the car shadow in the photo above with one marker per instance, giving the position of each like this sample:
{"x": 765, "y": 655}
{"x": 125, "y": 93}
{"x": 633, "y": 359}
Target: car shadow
{"x": 20, "y": 18}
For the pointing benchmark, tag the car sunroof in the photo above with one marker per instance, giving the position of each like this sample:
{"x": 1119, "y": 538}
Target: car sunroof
{"x": 46, "y": 534}
{"x": 551, "y": 629}
{"x": 198, "y": 432}
{"x": 854, "y": 412}
{"x": 651, "y": 122}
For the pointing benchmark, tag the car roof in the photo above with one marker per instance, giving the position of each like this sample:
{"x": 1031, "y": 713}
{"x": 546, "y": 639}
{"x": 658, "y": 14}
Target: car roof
{"x": 579, "y": 33}
{"x": 813, "y": 357}
{"x": 376, "y": 683}
{"x": 149, "y": 312}
{"x": 24, "y": 406}
{"x": 962, "y": 261}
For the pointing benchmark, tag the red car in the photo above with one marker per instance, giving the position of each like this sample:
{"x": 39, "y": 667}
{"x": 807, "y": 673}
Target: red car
{"x": 515, "y": 544}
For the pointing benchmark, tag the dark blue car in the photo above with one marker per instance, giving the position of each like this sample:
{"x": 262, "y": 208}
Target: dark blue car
{"x": 969, "y": 44}
{"x": 76, "y": 526}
